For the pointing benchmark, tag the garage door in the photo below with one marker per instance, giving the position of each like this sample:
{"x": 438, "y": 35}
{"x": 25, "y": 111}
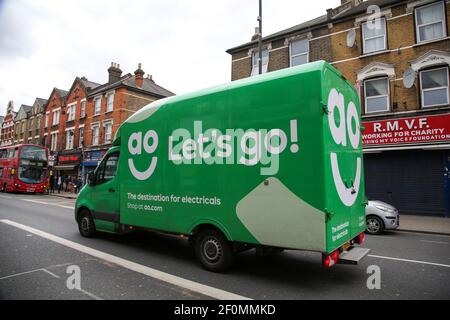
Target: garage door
{"x": 412, "y": 181}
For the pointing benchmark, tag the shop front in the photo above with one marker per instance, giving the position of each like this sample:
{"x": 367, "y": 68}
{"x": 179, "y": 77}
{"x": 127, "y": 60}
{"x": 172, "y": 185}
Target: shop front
{"x": 407, "y": 162}
{"x": 90, "y": 161}
{"x": 68, "y": 164}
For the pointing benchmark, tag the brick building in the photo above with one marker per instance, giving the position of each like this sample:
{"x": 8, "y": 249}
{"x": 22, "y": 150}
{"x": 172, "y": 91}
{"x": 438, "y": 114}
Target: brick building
{"x": 110, "y": 104}
{"x": 7, "y": 132}
{"x": 34, "y": 121}
{"x": 399, "y": 63}
{"x": 50, "y": 132}
{"x": 72, "y": 124}
{"x": 21, "y": 124}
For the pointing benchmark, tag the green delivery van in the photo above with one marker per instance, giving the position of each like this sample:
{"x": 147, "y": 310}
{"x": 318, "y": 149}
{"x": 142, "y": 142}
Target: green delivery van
{"x": 270, "y": 162}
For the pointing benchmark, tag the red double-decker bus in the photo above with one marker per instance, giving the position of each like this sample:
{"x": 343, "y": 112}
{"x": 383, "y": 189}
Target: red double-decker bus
{"x": 23, "y": 168}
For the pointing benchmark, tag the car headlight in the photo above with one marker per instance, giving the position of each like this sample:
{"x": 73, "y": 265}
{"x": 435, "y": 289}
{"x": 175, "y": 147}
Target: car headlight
{"x": 383, "y": 208}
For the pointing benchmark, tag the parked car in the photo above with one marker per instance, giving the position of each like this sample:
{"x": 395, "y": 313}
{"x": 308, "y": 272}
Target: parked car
{"x": 381, "y": 216}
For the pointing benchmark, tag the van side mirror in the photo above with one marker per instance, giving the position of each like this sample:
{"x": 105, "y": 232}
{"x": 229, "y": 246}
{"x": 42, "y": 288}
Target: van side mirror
{"x": 90, "y": 179}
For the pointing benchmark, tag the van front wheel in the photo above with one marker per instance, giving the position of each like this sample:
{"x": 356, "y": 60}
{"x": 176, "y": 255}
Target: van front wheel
{"x": 86, "y": 224}
{"x": 213, "y": 250}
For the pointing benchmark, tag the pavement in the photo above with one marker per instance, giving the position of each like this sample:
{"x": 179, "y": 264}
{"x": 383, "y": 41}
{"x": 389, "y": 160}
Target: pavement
{"x": 427, "y": 224}
{"x": 414, "y": 223}
{"x": 40, "y": 248}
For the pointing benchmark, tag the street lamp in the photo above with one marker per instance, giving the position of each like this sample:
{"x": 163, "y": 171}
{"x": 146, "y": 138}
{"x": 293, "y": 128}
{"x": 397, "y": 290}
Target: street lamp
{"x": 260, "y": 38}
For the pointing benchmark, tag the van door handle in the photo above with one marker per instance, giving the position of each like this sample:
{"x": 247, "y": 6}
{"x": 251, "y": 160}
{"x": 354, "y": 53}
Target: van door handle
{"x": 112, "y": 190}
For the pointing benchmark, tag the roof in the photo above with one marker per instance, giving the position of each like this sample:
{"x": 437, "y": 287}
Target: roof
{"x": 318, "y": 22}
{"x": 62, "y": 93}
{"x": 148, "y": 85}
{"x": 89, "y": 84}
{"x": 41, "y": 101}
{"x": 25, "y": 107}
{"x": 128, "y": 80}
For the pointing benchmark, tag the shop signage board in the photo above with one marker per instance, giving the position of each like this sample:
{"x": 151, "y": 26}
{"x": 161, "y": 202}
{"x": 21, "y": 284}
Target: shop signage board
{"x": 407, "y": 131}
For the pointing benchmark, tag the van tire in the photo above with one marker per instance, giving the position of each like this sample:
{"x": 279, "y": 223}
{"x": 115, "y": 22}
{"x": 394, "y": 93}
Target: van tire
{"x": 213, "y": 250}
{"x": 86, "y": 225}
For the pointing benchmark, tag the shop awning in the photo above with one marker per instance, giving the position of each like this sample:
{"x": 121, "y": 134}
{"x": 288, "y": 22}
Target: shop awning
{"x": 64, "y": 167}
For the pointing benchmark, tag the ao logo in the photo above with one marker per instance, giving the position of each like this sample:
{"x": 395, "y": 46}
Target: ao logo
{"x": 339, "y": 132}
{"x": 135, "y": 145}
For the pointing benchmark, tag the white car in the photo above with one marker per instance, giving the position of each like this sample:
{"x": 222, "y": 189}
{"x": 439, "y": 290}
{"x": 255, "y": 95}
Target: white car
{"x": 381, "y": 216}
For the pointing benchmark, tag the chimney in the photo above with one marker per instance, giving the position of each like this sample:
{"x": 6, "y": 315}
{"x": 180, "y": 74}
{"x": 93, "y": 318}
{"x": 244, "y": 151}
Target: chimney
{"x": 256, "y": 35}
{"x": 114, "y": 72}
{"x": 150, "y": 77}
{"x": 139, "y": 76}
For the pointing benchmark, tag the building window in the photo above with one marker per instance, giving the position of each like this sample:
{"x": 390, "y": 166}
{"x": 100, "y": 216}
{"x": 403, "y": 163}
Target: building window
{"x": 81, "y": 141}
{"x": 110, "y": 102}
{"x": 95, "y": 135}
{"x": 23, "y": 126}
{"x": 299, "y": 52}
{"x": 265, "y": 62}
{"x": 434, "y": 87}
{"x": 54, "y": 141}
{"x": 71, "y": 112}
{"x": 46, "y": 119}
{"x": 69, "y": 139}
{"x": 430, "y": 22}
{"x": 55, "y": 121}
{"x": 374, "y": 35}
{"x": 376, "y": 95}
{"x": 97, "y": 105}
{"x": 108, "y": 132}
{"x": 83, "y": 109}
{"x": 38, "y": 123}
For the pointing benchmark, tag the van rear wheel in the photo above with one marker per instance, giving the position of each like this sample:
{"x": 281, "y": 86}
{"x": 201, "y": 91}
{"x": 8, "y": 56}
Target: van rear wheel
{"x": 86, "y": 224}
{"x": 213, "y": 250}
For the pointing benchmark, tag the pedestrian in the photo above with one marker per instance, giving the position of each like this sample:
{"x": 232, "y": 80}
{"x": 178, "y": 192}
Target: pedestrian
{"x": 60, "y": 183}
{"x": 52, "y": 183}
{"x": 66, "y": 183}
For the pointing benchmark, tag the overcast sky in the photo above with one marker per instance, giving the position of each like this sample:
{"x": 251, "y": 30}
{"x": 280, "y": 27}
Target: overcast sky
{"x": 47, "y": 43}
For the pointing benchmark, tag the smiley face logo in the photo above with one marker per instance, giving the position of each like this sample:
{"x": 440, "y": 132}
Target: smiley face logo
{"x": 135, "y": 145}
{"x": 347, "y": 190}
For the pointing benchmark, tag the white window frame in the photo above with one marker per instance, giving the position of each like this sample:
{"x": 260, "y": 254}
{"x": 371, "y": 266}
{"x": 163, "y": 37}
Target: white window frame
{"x": 443, "y": 22}
{"x": 47, "y": 115}
{"x": 81, "y": 136}
{"x": 110, "y": 105}
{"x": 57, "y": 112}
{"x": 95, "y": 138}
{"x": 383, "y": 95}
{"x": 106, "y": 124}
{"x": 99, "y": 98}
{"x": 82, "y": 108}
{"x": 71, "y": 110}
{"x": 298, "y": 54}
{"x": 375, "y": 37}
{"x": 422, "y": 96}
{"x": 53, "y": 141}
{"x": 70, "y": 138}
{"x": 255, "y": 64}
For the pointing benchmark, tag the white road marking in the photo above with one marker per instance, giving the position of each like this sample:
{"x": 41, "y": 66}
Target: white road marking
{"x": 431, "y": 241}
{"x": 163, "y": 276}
{"x": 93, "y": 296}
{"x": 48, "y": 203}
{"x": 6, "y": 197}
{"x": 28, "y": 272}
{"x": 408, "y": 260}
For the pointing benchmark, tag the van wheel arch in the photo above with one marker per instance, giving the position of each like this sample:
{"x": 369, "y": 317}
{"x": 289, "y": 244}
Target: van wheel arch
{"x": 208, "y": 226}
